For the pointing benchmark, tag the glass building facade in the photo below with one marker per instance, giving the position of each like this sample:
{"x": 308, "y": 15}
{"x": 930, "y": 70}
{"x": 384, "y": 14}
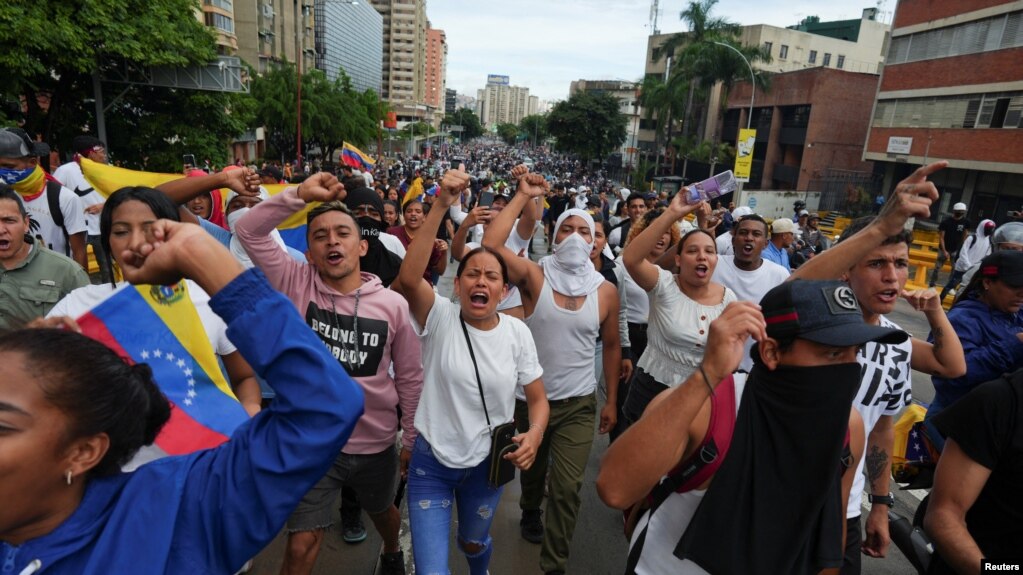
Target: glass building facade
{"x": 349, "y": 37}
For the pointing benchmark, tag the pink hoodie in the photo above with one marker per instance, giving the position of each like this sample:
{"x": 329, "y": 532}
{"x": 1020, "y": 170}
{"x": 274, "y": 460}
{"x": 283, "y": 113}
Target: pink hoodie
{"x": 366, "y": 346}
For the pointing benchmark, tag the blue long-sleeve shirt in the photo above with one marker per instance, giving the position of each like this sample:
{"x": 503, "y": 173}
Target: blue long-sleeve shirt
{"x": 210, "y": 511}
{"x": 990, "y": 344}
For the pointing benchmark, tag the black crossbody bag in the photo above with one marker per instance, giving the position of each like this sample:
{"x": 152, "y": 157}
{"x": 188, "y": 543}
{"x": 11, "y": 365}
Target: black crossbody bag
{"x": 501, "y": 470}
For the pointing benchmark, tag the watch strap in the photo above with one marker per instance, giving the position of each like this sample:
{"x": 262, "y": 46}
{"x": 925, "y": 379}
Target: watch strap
{"x": 888, "y": 500}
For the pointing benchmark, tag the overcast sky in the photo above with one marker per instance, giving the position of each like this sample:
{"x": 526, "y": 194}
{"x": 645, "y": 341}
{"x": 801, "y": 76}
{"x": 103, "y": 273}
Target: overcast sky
{"x": 545, "y": 44}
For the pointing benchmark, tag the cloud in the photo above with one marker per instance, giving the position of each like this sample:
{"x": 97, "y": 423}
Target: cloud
{"x": 546, "y": 44}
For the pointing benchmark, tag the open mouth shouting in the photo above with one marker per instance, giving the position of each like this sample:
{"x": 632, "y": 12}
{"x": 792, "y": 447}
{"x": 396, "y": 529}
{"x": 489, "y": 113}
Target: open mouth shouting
{"x": 334, "y": 257}
{"x": 888, "y": 296}
{"x": 702, "y": 271}
{"x": 5, "y": 245}
{"x": 747, "y": 249}
{"x": 479, "y": 298}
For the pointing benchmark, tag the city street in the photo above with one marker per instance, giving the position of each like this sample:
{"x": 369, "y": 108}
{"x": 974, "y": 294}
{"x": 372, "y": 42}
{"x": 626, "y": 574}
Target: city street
{"x": 599, "y": 546}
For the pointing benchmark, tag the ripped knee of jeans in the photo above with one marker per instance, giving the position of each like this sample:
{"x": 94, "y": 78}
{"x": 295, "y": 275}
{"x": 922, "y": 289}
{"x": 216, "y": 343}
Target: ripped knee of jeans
{"x": 474, "y": 548}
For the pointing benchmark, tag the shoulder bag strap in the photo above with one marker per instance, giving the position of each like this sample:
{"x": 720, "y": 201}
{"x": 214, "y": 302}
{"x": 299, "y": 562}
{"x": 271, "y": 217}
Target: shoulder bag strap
{"x": 476, "y": 368}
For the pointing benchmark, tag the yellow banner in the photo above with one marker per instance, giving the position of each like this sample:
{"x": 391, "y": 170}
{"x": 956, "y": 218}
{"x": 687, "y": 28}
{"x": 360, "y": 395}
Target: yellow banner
{"x": 744, "y": 154}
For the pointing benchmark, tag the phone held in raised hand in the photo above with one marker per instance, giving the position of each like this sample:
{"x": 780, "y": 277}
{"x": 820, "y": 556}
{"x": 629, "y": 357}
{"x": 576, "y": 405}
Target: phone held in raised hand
{"x": 486, "y": 199}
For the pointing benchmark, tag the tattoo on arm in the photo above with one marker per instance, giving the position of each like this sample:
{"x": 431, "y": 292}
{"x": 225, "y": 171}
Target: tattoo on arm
{"x": 875, "y": 464}
{"x": 938, "y": 343}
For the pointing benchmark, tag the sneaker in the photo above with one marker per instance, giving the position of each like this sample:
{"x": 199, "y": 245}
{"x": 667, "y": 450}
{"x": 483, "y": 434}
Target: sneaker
{"x": 352, "y": 528}
{"x": 531, "y": 525}
{"x": 392, "y": 563}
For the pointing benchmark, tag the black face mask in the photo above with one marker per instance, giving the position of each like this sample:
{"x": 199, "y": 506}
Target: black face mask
{"x": 371, "y": 227}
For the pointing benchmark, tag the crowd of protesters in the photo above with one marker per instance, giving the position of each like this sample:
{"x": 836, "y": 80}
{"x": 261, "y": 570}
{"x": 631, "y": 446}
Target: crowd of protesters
{"x": 750, "y": 399}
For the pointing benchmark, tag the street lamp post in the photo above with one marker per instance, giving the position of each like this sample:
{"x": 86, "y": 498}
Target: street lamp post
{"x": 752, "y": 80}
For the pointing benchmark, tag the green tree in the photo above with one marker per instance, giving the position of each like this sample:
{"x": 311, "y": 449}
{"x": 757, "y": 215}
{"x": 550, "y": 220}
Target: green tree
{"x": 468, "y": 120}
{"x": 509, "y": 133}
{"x": 534, "y": 127}
{"x": 417, "y": 129}
{"x": 201, "y": 123}
{"x": 701, "y": 63}
{"x": 589, "y": 125}
{"x": 50, "y": 50}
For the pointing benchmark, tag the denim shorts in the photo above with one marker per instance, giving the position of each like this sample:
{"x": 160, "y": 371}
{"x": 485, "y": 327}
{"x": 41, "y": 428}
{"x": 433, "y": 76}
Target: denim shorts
{"x": 374, "y": 477}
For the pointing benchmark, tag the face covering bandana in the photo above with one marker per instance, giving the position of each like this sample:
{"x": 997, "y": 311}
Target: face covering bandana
{"x": 370, "y": 227}
{"x": 570, "y": 270}
{"x": 789, "y": 436}
{"x": 378, "y": 260}
{"x": 27, "y": 182}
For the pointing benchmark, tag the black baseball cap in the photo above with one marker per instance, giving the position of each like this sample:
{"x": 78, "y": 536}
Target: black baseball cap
{"x": 1005, "y": 265}
{"x": 824, "y": 312}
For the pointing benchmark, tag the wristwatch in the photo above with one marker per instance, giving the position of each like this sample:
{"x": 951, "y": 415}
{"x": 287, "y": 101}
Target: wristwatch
{"x": 888, "y": 500}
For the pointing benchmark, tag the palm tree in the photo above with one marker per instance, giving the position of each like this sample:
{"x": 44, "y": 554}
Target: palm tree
{"x": 663, "y": 99}
{"x": 703, "y": 63}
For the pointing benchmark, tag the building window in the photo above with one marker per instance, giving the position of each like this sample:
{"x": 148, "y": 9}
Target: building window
{"x": 813, "y": 56}
{"x": 827, "y": 59}
{"x": 996, "y": 33}
{"x": 222, "y": 4}
{"x": 220, "y": 22}
{"x": 768, "y": 46}
{"x": 993, "y": 110}
{"x": 783, "y": 52}
{"x": 841, "y": 61}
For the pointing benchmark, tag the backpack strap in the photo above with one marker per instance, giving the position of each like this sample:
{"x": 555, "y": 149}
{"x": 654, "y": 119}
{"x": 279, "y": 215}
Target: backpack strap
{"x": 699, "y": 467}
{"x": 53, "y": 189}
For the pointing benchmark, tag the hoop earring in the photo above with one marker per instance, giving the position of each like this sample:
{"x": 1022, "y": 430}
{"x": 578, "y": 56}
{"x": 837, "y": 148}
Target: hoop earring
{"x": 68, "y": 476}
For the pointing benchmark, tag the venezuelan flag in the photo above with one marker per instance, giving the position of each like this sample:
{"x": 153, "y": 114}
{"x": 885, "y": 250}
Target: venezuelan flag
{"x": 159, "y": 326}
{"x": 107, "y": 179}
{"x": 356, "y": 158}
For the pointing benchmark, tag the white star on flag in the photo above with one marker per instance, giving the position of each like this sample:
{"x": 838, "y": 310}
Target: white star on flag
{"x": 191, "y": 383}
{"x": 145, "y": 354}
{"x": 188, "y": 372}
{"x": 170, "y": 357}
{"x": 181, "y": 363}
{"x": 192, "y": 393}
{"x": 188, "y": 402}
{"x": 157, "y": 353}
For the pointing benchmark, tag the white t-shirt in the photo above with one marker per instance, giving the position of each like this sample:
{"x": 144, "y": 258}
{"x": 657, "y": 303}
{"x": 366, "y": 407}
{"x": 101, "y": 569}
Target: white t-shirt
{"x": 83, "y": 299}
{"x": 70, "y": 174}
{"x": 748, "y": 286}
{"x": 670, "y": 521}
{"x": 677, "y": 331}
{"x": 450, "y": 414}
{"x": 886, "y": 388}
{"x": 724, "y": 244}
{"x": 637, "y": 302}
{"x": 52, "y": 236}
{"x": 393, "y": 244}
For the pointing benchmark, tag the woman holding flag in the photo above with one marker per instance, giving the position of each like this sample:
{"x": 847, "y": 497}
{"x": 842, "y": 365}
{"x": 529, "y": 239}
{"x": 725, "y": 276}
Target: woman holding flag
{"x": 66, "y": 431}
{"x": 126, "y": 217}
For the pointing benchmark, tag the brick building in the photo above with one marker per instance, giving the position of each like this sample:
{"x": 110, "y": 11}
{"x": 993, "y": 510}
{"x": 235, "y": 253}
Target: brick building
{"x": 952, "y": 89}
{"x": 810, "y": 123}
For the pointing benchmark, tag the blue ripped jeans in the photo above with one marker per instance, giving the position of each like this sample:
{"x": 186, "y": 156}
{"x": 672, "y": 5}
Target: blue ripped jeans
{"x": 432, "y": 491}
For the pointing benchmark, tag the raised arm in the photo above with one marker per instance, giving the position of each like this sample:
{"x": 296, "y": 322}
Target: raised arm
{"x": 912, "y": 198}
{"x": 523, "y": 273}
{"x": 282, "y": 452}
{"x": 245, "y": 182}
{"x": 410, "y": 283}
{"x": 638, "y": 459}
{"x": 944, "y": 356}
{"x": 644, "y": 273}
{"x": 458, "y": 240}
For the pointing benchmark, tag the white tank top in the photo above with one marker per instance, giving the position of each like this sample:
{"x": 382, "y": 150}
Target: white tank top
{"x": 565, "y": 343}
